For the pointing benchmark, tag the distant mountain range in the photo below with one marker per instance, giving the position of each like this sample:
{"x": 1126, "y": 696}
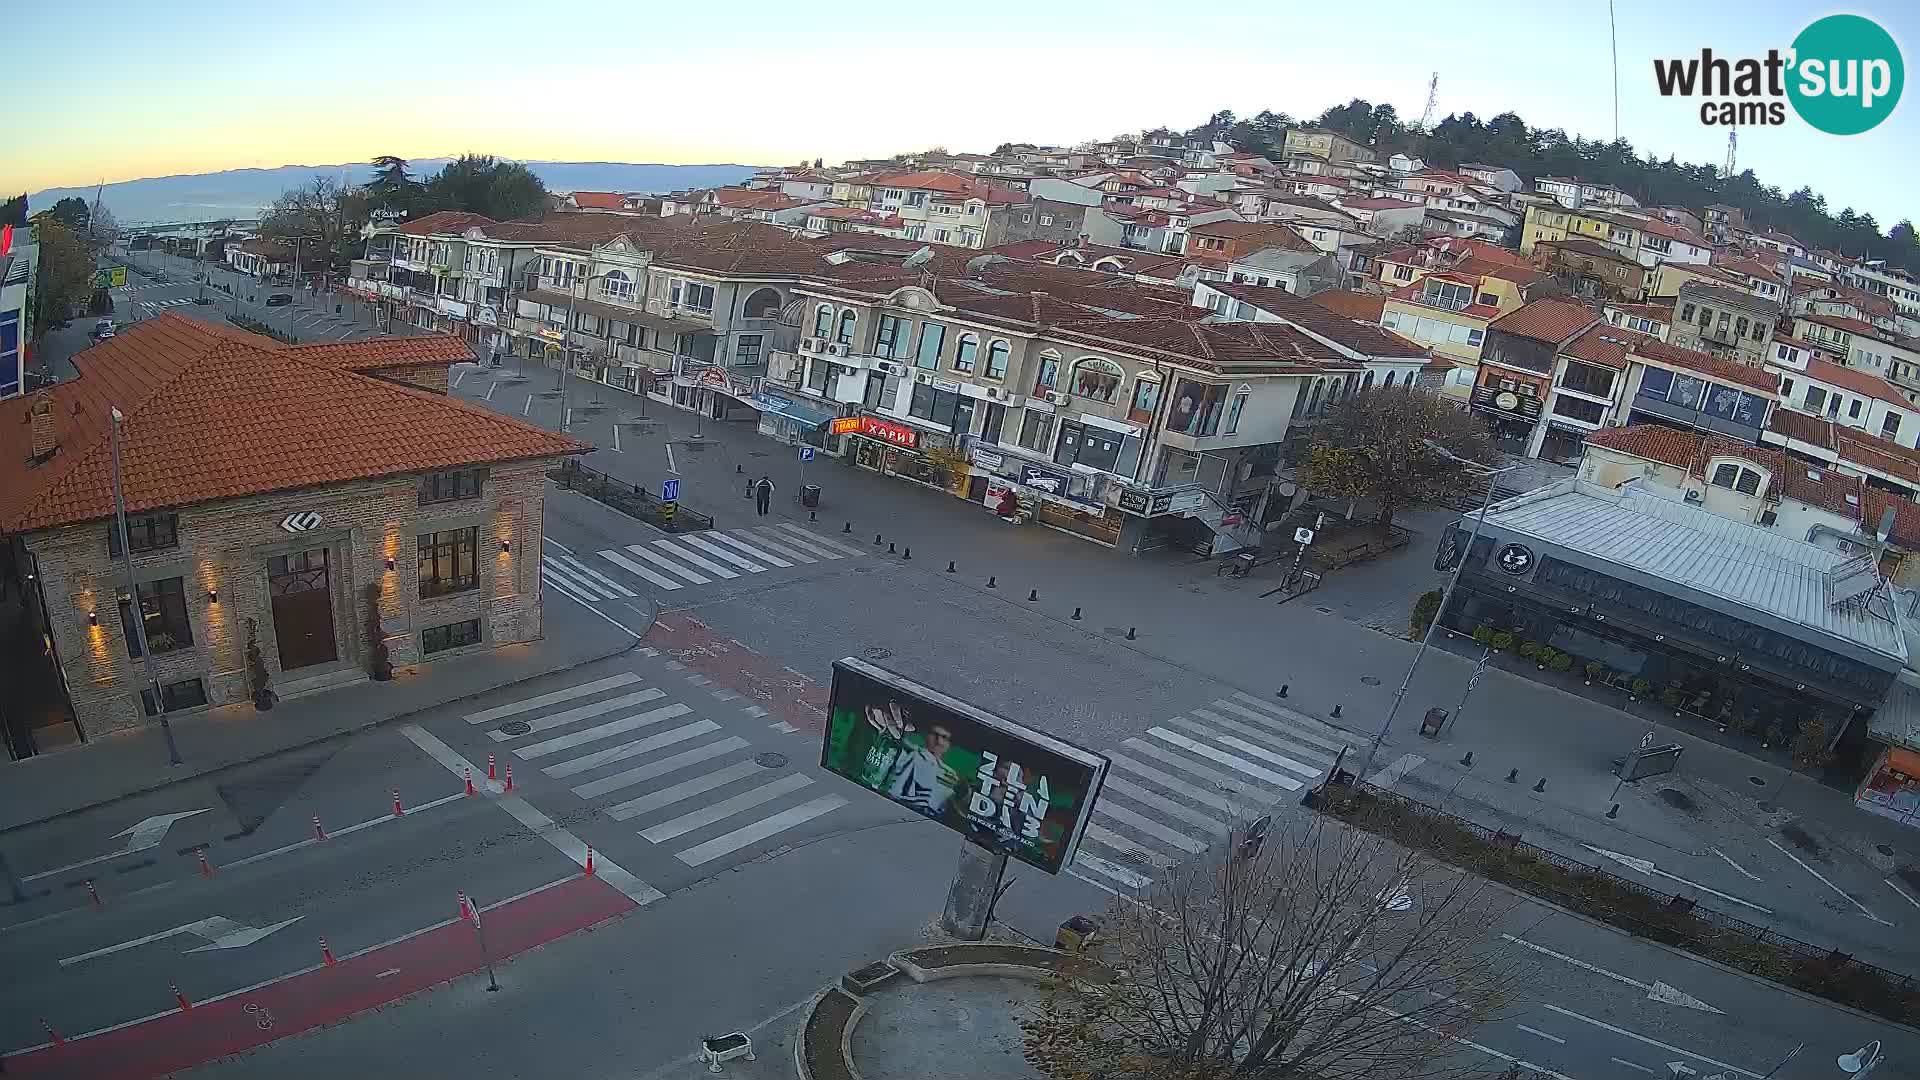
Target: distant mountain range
{"x": 243, "y": 193}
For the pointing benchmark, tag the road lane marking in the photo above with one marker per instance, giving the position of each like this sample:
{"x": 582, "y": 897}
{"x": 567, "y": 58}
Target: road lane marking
{"x": 1214, "y": 799}
{"x": 728, "y": 843}
{"x": 1903, "y": 893}
{"x": 637, "y": 570}
{"x": 542, "y": 826}
{"x": 500, "y": 712}
{"x": 766, "y": 539}
{"x": 1645, "y": 866}
{"x": 1396, "y": 770}
{"x": 1166, "y": 806}
{"x": 817, "y": 541}
{"x": 625, "y": 750}
{"x": 1107, "y": 838}
{"x": 725, "y": 808}
{"x": 694, "y": 576}
{"x": 528, "y": 407}
{"x": 145, "y": 834}
{"x": 1147, "y": 825}
{"x": 1260, "y": 795}
{"x": 670, "y": 465}
{"x": 685, "y": 789}
{"x": 1670, "y": 1048}
{"x": 616, "y": 437}
{"x": 600, "y": 731}
{"x": 1818, "y": 876}
{"x": 1299, "y": 748}
{"x": 1238, "y": 764}
{"x": 1098, "y": 865}
{"x": 386, "y": 973}
{"x": 1633, "y": 1065}
{"x": 490, "y": 390}
{"x": 346, "y": 831}
{"x": 1656, "y": 990}
{"x": 581, "y": 712}
{"x": 696, "y": 559}
{"x": 661, "y": 767}
{"x": 1723, "y": 856}
{"x": 1542, "y": 1034}
{"x": 461, "y": 375}
{"x": 720, "y": 552}
{"x": 754, "y": 552}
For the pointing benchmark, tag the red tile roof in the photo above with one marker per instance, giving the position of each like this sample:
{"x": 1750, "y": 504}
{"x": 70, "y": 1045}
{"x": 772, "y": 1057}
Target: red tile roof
{"x": 598, "y": 200}
{"x": 1605, "y": 344}
{"x": 1359, "y": 306}
{"x": 1800, "y": 427}
{"x": 1864, "y": 383}
{"x": 1363, "y": 338}
{"x": 1851, "y": 326}
{"x": 444, "y": 222}
{"x": 1378, "y": 204}
{"x": 373, "y": 354}
{"x": 1551, "y": 321}
{"x": 215, "y": 413}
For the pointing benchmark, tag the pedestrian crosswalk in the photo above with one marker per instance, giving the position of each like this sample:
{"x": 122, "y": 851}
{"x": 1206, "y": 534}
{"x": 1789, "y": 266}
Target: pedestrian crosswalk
{"x": 689, "y": 559}
{"x": 175, "y": 302}
{"x": 1191, "y": 778}
{"x": 680, "y": 779}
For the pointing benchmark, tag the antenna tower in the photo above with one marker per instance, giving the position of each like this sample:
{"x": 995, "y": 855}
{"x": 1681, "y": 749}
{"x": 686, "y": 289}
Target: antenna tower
{"x": 1733, "y": 146}
{"x": 1433, "y": 98}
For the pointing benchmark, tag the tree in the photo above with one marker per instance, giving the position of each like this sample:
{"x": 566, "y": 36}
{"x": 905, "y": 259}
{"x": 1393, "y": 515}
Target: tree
{"x": 72, "y": 212}
{"x": 1325, "y": 952}
{"x": 14, "y": 211}
{"x": 65, "y": 276}
{"x": 514, "y": 193}
{"x": 482, "y": 184}
{"x": 1374, "y": 446}
{"x": 102, "y": 229}
{"x": 392, "y": 191}
{"x": 329, "y": 212}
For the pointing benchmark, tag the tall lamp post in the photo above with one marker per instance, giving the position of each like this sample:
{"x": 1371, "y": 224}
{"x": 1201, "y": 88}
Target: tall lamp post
{"x": 139, "y": 619}
{"x": 1426, "y": 639}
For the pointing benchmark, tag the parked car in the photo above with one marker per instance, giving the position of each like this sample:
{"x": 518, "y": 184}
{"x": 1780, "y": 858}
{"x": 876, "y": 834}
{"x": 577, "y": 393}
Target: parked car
{"x": 279, "y": 299}
{"x": 102, "y": 330}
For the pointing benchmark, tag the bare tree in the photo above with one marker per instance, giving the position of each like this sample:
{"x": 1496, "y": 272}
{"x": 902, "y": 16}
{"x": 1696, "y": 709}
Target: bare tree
{"x": 1327, "y": 952}
{"x": 1377, "y": 445}
{"x": 325, "y": 209}
{"x": 102, "y": 228}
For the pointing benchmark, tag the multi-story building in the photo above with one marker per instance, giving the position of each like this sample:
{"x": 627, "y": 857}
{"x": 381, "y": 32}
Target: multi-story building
{"x": 1723, "y": 321}
{"x": 1653, "y": 320}
{"x": 1516, "y": 373}
{"x": 19, "y": 264}
{"x": 1593, "y": 270}
{"x": 1724, "y": 223}
{"x": 1329, "y": 147}
{"x": 1849, "y": 397}
{"x": 1891, "y": 282}
{"x": 946, "y": 208}
{"x": 1494, "y": 176}
{"x": 404, "y": 523}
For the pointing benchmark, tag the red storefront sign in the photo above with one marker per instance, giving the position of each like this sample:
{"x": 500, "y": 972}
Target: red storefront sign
{"x": 846, "y": 425}
{"x": 893, "y": 434}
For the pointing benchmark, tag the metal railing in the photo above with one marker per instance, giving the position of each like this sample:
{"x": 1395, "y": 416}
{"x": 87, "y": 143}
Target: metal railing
{"x": 630, "y": 499}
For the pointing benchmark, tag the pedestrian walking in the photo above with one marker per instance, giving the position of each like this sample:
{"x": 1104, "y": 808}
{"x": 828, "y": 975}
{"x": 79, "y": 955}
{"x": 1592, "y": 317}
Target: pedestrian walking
{"x": 763, "y": 494}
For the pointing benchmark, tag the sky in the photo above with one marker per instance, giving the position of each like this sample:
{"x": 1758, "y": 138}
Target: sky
{"x": 188, "y": 86}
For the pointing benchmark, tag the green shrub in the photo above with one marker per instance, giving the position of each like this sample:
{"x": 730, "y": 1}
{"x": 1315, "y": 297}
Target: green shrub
{"x": 1640, "y": 686}
{"x": 1596, "y": 671}
{"x": 1670, "y": 697}
{"x": 1501, "y": 641}
{"x": 1424, "y": 609}
{"x": 1529, "y": 650}
{"x": 1483, "y": 635}
{"x": 1560, "y": 662}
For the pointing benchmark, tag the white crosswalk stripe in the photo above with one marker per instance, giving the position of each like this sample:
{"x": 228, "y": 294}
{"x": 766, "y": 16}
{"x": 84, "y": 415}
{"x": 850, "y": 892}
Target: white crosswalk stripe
{"x": 1190, "y": 779}
{"x": 636, "y": 756}
{"x": 674, "y": 563}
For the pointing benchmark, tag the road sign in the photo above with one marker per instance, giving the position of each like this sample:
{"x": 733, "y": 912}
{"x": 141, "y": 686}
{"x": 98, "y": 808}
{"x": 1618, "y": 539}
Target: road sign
{"x": 109, "y": 277}
{"x": 670, "y": 490}
{"x": 1303, "y": 535}
{"x": 806, "y": 453}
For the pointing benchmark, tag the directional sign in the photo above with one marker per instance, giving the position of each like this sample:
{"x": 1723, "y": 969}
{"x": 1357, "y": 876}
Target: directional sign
{"x": 300, "y": 521}
{"x": 670, "y": 490}
{"x": 219, "y": 933}
{"x": 806, "y": 453}
{"x": 140, "y": 837}
{"x": 1303, "y": 535}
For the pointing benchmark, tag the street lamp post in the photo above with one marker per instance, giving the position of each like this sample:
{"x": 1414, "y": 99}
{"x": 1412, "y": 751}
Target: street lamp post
{"x": 138, "y": 620}
{"x": 1860, "y": 1063}
{"x": 1426, "y": 639}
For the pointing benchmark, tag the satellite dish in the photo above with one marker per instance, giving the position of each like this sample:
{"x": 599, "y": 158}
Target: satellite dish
{"x": 919, "y": 258}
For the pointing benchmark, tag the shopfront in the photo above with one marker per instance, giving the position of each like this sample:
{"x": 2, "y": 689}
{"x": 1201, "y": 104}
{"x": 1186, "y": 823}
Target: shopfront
{"x": 890, "y": 447}
{"x": 1892, "y": 786}
{"x": 792, "y": 422}
{"x": 1511, "y": 402}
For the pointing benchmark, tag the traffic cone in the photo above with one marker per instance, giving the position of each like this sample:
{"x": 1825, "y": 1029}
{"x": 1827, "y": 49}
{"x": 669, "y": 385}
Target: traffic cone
{"x": 206, "y": 868}
{"x": 491, "y": 775}
{"x": 469, "y": 779}
{"x": 326, "y": 953}
{"x": 466, "y": 909}
{"x": 589, "y": 867}
{"x": 52, "y": 1035}
{"x": 509, "y": 784}
{"x": 185, "y": 1005}
{"x": 318, "y": 832}
{"x": 398, "y": 810}
{"x": 94, "y": 893}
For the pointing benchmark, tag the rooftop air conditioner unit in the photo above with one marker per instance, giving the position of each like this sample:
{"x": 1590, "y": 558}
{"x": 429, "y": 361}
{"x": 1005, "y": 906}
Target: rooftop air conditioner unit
{"x": 892, "y": 368}
{"x": 922, "y": 377}
{"x": 1693, "y": 496}
{"x": 993, "y": 392}
{"x": 1056, "y": 397}
{"x": 837, "y": 348}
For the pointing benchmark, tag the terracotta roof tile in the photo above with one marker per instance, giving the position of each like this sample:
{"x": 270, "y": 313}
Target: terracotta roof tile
{"x": 444, "y": 222}
{"x": 424, "y": 350}
{"x": 1351, "y": 304}
{"x": 598, "y": 200}
{"x": 1551, "y": 321}
{"x": 1361, "y": 337}
{"x": 1864, "y": 383}
{"x": 215, "y": 413}
{"x": 1731, "y": 371}
{"x": 1800, "y": 427}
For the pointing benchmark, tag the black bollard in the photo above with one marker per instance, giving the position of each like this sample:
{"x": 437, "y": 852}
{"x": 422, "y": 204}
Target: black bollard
{"x": 813, "y": 515}
{"x": 737, "y": 470}
{"x": 1336, "y": 712}
{"x": 1467, "y": 762}
{"x": 847, "y": 528}
{"x": 890, "y": 550}
{"x": 1033, "y": 594}
{"x": 1513, "y": 775}
{"x": 1541, "y": 784}
{"x": 876, "y": 539}
{"x": 1613, "y": 811}
{"x": 950, "y": 568}
{"x": 1076, "y": 613}
{"x": 1130, "y": 633}
{"x": 990, "y": 583}
{"x": 907, "y": 554}
{"x": 1283, "y": 689}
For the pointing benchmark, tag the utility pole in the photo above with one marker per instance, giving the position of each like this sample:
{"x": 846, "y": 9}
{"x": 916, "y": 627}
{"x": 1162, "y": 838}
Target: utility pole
{"x": 139, "y": 619}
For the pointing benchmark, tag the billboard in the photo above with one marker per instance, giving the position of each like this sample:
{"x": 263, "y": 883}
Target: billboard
{"x": 1001, "y": 785}
{"x": 109, "y": 277}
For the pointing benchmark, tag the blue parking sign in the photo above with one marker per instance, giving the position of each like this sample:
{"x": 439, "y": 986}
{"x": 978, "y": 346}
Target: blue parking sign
{"x": 806, "y": 453}
{"x": 670, "y": 490}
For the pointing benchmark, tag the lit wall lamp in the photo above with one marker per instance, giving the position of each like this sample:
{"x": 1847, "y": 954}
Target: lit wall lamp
{"x": 389, "y": 564}
{"x": 506, "y": 546}
{"x": 93, "y": 618}
{"x": 213, "y": 596}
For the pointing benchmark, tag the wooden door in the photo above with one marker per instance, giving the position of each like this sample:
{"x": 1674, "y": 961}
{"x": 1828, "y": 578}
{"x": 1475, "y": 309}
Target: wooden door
{"x": 302, "y": 608}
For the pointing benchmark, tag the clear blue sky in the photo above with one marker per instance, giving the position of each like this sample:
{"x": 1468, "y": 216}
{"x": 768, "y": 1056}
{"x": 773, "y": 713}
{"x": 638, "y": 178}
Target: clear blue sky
{"x": 122, "y": 89}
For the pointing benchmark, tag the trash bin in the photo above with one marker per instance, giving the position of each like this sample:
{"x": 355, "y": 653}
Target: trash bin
{"x": 810, "y": 496}
{"x": 1431, "y": 724}
{"x": 1076, "y": 934}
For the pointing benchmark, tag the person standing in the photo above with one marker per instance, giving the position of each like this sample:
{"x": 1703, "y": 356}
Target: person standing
{"x": 763, "y": 494}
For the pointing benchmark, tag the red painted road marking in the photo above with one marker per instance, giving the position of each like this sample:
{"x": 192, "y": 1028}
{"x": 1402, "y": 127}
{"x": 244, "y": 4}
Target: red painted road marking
{"x": 325, "y": 995}
{"x": 785, "y": 694}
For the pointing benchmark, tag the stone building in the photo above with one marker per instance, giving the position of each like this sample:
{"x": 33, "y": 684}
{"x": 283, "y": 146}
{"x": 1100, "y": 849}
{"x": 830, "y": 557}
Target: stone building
{"x": 300, "y": 495}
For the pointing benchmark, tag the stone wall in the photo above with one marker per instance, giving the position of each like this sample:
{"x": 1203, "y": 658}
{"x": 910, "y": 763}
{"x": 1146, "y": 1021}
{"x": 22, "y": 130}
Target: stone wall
{"x": 222, "y": 558}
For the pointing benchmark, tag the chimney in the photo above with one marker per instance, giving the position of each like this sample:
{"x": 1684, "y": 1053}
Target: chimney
{"x": 45, "y": 439}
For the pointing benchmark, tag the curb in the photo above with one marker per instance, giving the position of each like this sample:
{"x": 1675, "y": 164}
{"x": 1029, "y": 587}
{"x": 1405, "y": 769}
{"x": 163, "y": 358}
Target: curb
{"x": 326, "y": 737}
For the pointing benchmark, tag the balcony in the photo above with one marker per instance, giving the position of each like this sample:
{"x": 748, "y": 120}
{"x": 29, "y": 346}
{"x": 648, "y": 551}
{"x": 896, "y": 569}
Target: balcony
{"x": 788, "y": 369}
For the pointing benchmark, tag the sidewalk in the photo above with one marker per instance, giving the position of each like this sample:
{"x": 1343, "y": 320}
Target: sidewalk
{"x": 64, "y": 781}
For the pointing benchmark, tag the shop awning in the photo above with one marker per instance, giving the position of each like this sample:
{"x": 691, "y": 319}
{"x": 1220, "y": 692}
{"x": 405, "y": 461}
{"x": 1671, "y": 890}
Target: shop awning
{"x": 793, "y": 410}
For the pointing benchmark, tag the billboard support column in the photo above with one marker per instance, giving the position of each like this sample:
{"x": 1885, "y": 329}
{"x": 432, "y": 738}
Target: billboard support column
{"x": 970, "y": 899}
